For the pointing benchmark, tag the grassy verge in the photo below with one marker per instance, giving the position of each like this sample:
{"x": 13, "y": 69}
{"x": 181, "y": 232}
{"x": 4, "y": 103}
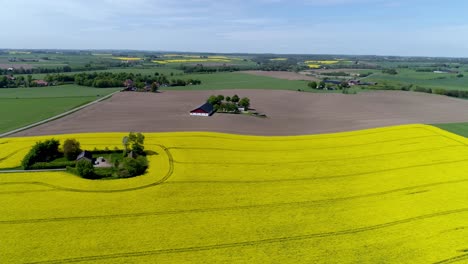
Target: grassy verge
{"x": 457, "y": 128}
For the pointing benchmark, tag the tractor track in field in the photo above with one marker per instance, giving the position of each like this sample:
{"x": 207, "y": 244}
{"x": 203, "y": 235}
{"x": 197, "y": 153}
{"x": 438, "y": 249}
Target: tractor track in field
{"x": 12, "y": 153}
{"x": 311, "y": 148}
{"x": 230, "y": 208}
{"x": 453, "y": 260}
{"x": 261, "y": 241}
{"x": 316, "y": 160}
{"x": 68, "y": 189}
{"x": 324, "y": 177}
{"x": 171, "y": 169}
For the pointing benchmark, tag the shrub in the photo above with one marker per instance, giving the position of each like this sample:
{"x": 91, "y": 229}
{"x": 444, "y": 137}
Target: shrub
{"x": 422, "y": 89}
{"x": 51, "y": 165}
{"x": 41, "y": 152}
{"x": 85, "y": 169}
{"x": 439, "y": 91}
{"x": 71, "y": 149}
{"x": 130, "y": 167}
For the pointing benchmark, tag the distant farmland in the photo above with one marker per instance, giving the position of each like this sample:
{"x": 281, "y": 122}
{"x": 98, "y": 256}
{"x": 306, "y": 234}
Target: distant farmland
{"x": 388, "y": 195}
{"x": 23, "y": 106}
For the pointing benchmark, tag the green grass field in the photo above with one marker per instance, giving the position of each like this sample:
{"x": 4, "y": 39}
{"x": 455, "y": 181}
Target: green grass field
{"x": 23, "y": 106}
{"x": 236, "y": 80}
{"x": 457, "y": 128}
{"x": 425, "y": 79}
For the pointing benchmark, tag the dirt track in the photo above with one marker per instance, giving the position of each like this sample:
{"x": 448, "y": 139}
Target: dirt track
{"x": 289, "y": 113}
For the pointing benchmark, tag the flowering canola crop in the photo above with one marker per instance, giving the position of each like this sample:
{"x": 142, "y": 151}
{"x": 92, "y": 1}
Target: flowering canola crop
{"x": 393, "y": 195}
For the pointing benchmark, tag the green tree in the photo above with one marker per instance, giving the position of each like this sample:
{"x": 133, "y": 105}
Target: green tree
{"x": 228, "y": 99}
{"x": 244, "y": 102}
{"x": 154, "y": 87}
{"x": 235, "y": 98}
{"x": 312, "y": 85}
{"x": 85, "y": 169}
{"x": 344, "y": 84}
{"x": 321, "y": 85}
{"x": 136, "y": 140}
{"x": 212, "y": 100}
{"x": 71, "y": 149}
{"x": 132, "y": 167}
{"x": 41, "y": 152}
{"x": 220, "y": 98}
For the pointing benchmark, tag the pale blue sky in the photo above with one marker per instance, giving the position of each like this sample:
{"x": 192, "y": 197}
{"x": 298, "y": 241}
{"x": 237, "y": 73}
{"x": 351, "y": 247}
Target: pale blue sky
{"x": 380, "y": 27}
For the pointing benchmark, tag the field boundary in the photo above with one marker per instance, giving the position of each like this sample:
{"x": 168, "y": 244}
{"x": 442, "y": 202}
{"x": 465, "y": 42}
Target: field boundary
{"x": 57, "y": 116}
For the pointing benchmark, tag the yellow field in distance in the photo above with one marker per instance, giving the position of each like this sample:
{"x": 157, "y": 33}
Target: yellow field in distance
{"x": 386, "y": 195}
{"x": 126, "y": 58}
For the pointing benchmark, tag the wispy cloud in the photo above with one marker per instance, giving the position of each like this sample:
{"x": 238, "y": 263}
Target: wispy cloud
{"x": 286, "y": 26}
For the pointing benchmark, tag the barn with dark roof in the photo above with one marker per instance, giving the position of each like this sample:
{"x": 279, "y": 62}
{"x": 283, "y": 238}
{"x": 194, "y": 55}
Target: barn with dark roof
{"x": 206, "y": 109}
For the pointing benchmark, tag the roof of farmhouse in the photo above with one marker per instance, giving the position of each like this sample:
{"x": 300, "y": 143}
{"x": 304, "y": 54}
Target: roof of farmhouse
{"x": 206, "y": 107}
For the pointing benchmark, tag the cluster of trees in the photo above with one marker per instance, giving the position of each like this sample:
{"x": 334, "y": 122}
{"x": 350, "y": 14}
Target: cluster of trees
{"x": 136, "y": 163}
{"x": 200, "y": 68}
{"x": 290, "y": 64}
{"x": 228, "y": 104}
{"x": 109, "y": 79}
{"x": 335, "y": 73}
{"x": 43, "y": 154}
{"x": 390, "y": 71}
{"x": 129, "y": 163}
{"x": 14, "y": 82}
{"x": 323, "y": 85}
{"x": 21, "y": 70}
{"x": 45, "y": 151}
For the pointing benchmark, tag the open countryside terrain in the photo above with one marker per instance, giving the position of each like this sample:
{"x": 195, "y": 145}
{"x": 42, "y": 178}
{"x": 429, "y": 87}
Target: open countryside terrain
{"x": 289, "y": 113}
{"x": 282, "y": 75}
{"x": 23, "y": 106}
{"x": 395, "y": 194}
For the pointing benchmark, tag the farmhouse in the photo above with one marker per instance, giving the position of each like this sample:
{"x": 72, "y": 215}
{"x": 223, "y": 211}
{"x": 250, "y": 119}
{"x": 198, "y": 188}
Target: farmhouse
{"x": 128, "y": 83}
{"x": 203, "y": 110}
{"x": 86, "y": 155}
{"x": 41, "y": 83}
{"x": 354, "y": 82}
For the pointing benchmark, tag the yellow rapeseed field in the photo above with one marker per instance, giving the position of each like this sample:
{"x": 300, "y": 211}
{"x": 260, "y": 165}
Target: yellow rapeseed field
{"x": 385, "y": 195}
{"x": 314, "y": 66}
{"x": 191, "y": 60}
{"x": 326, "y": 62}
{"x": 127, "y": 58}
{"x": 279, "y": 59}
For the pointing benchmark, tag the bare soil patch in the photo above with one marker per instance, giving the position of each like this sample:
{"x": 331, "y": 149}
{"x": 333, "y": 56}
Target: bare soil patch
{"x": 289, "y": 113}
{"x": 282, "y": 75}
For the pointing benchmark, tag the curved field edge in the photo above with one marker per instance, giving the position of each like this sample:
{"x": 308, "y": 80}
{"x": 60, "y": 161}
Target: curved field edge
{"x": 393, "y": 195}
{"x": 457, "y": 128}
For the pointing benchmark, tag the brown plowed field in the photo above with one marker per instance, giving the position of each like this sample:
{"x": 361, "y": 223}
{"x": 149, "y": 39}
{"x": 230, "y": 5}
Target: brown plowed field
{"x": 289, "y": 113}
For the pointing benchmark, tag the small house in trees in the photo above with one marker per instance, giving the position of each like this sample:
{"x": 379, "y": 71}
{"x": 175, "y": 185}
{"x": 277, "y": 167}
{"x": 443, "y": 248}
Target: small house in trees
{"x": 206, "y": 109}
{"x": 128, "y": 83}
{"x": 86, "y": 155}
{"x": 41, "y": 83}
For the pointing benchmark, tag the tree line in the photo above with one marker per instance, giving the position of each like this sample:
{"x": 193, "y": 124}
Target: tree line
{"x": 99, "y": 80}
